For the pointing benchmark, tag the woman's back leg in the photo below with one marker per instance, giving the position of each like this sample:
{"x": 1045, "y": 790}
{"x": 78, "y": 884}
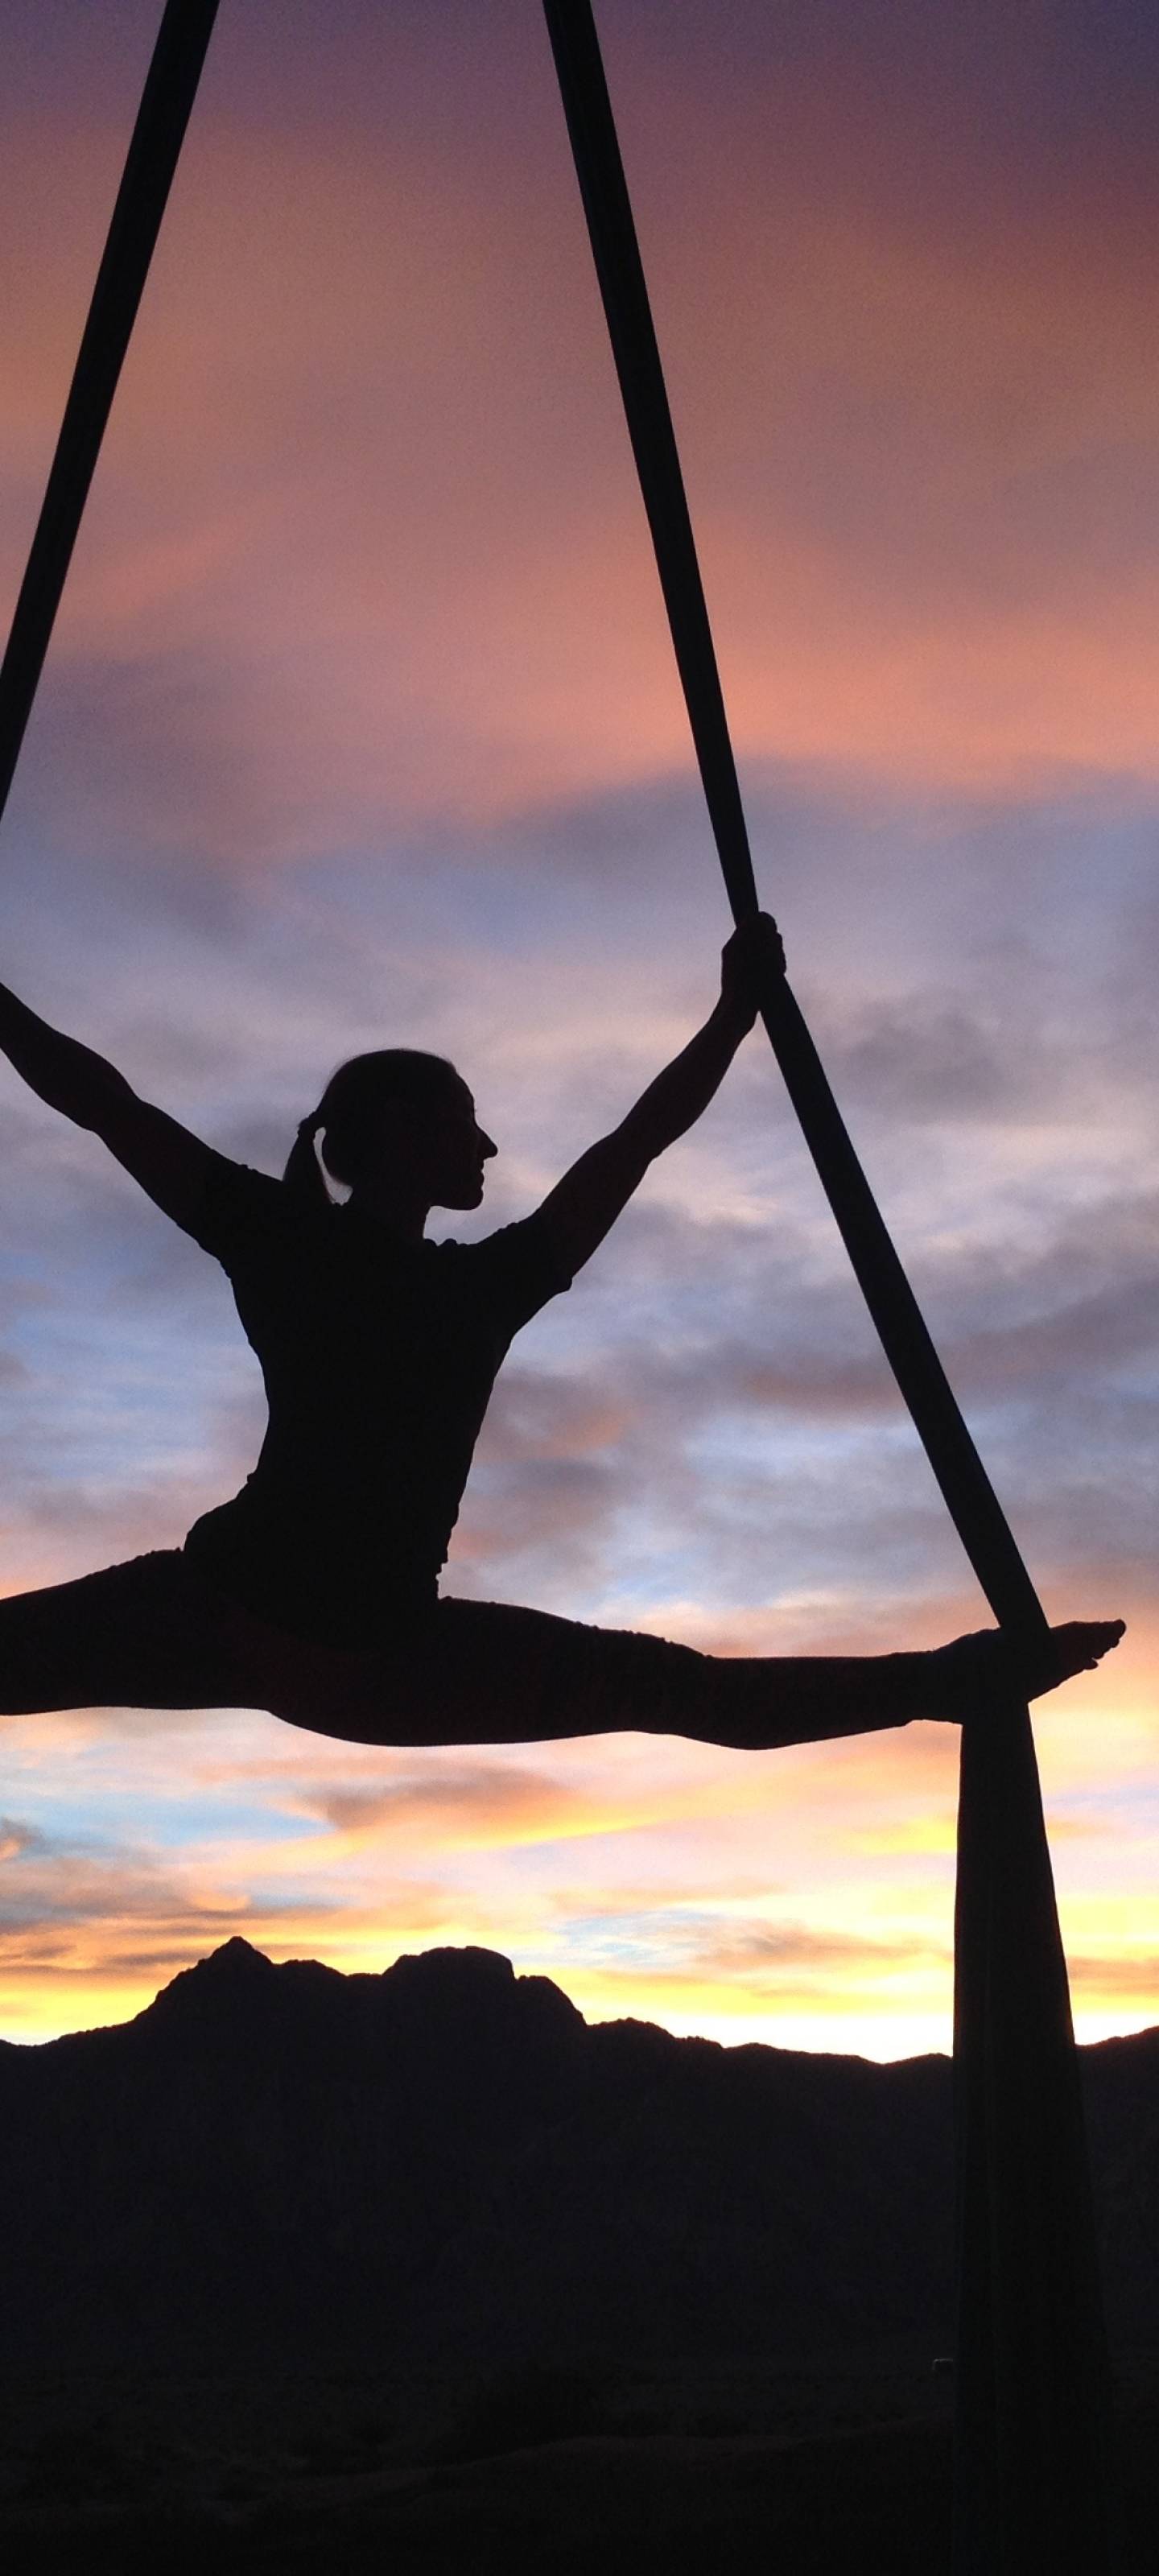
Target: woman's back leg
{"x": 139, "y": 1635}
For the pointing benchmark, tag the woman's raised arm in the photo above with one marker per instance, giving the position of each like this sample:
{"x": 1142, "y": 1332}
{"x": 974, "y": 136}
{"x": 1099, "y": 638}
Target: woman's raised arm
{"x": 170, "y": 1164}
{"x": 582, "y": 1207}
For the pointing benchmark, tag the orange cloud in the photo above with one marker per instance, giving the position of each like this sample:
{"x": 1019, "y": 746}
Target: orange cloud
{"x": 466, "y": 1806}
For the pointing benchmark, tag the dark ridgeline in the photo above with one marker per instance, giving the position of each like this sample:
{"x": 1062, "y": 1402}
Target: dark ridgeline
{"x": 446, "y": 2163}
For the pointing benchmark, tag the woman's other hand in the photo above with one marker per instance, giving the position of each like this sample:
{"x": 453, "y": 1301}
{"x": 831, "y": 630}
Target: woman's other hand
{"x": 749, "y": 961}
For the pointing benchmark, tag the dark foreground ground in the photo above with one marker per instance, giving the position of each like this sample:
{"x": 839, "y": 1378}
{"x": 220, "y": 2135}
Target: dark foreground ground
{"x": 822, "y": 2472}
{"x": 518, "y": 2252}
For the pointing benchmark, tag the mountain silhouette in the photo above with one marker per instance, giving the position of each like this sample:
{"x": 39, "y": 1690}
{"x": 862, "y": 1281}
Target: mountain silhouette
{"x": 445, "y": 2162}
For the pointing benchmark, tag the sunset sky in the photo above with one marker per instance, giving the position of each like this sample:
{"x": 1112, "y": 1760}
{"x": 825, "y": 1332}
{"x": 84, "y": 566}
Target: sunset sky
{"x": 360, "y": 727}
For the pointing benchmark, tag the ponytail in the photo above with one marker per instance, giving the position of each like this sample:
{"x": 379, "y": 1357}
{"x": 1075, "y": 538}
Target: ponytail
{"x": 303, "y": 1173}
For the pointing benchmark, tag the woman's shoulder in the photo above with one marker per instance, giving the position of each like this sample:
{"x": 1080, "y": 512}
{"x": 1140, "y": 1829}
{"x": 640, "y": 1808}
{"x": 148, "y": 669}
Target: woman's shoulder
{"x": 515, "y": 1270}
{"x": 247, "y": 1212}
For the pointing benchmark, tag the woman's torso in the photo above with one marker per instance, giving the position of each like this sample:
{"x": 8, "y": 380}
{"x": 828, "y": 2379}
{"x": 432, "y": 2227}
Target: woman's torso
{"x": 378, "y": 1357}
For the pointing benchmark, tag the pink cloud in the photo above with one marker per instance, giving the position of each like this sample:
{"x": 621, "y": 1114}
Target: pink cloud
{"x": 366, "y": 467}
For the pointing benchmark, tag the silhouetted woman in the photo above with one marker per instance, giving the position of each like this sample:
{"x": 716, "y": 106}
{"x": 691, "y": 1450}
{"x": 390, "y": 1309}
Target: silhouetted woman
{"x": 314, "y": 1593}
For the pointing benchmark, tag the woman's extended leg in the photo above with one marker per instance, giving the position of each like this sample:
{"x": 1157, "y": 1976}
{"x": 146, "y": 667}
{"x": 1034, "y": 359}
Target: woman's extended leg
{"x": 487, "y": 1673}
{"x": 154, "y": 1634}
{"x": 148, "y": 1634}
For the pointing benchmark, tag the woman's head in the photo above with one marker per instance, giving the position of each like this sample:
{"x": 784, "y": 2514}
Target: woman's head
{"x": 395, "y": 1121}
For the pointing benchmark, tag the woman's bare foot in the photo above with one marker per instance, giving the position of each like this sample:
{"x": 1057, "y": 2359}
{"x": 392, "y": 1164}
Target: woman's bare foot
{"x": 972, "y": 1671}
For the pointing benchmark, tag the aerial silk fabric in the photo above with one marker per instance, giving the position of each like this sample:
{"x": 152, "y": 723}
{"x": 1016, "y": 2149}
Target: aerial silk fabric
{"x": 166, "y": 103}
{"x": 1031, "y": 2485}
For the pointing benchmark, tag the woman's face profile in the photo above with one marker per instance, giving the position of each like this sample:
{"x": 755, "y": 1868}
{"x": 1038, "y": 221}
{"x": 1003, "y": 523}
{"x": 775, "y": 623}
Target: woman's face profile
{"x": 441, "y": 1147}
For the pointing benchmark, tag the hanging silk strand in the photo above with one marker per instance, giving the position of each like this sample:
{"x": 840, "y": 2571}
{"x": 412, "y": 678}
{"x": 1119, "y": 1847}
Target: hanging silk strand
{"x": 1031, "y": 2484}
